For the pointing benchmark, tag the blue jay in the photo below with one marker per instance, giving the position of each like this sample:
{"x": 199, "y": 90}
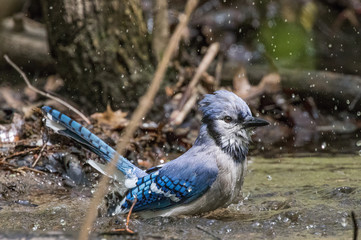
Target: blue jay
{"x": 208, "y": 176}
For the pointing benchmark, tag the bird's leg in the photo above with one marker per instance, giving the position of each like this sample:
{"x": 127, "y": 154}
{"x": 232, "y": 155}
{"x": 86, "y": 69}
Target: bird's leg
{"x": 128, "y": 219}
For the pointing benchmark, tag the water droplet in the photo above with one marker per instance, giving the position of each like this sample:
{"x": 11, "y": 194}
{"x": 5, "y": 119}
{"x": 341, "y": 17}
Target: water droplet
{"x": 256, "y": 224}
{"x": 36, "y": 226}
{"x": 323, "y": 145}
{"x": 62, "y": 222}
{"x": 358, "y": 143}
{"x": 310, "y": 226}
{"x": 245, "y": 197}
{"x": 343, "y": 222}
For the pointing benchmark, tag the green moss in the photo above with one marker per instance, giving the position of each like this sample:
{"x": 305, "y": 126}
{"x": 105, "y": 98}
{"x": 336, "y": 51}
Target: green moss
{"x": 288, "y": 44}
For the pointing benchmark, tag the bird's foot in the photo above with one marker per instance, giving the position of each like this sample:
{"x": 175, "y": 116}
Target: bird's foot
{"x": 127, "y": 229}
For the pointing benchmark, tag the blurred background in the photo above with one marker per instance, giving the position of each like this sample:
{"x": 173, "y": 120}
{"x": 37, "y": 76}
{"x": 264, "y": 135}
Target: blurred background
{"x": 295, "y": 61}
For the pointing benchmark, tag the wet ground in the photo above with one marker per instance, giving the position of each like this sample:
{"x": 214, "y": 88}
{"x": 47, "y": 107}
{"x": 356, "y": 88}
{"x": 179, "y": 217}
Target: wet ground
{"x": 283, "y": 198}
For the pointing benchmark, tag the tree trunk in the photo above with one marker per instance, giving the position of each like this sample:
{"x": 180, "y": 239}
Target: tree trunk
{"x": 102, "y": 50}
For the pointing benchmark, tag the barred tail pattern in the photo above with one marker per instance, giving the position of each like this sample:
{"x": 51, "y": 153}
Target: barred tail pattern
{"x": 63, "y": 124}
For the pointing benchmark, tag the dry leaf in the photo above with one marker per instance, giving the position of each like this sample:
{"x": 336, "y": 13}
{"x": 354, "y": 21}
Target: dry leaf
{"x": 270, "y": 83}
{"x": 116, "y": 120}
{"x": 32, "y": 96}
{"x": 53, "y": 83}
{"x": 169, "y": 91}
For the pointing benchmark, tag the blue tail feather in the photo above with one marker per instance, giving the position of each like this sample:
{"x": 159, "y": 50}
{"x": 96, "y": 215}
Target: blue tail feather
{"x": 67, "y": 126}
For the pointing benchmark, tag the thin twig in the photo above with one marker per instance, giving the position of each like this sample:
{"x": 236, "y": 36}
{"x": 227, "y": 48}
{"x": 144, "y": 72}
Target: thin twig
{"x": 355, "y": 225}
{"x": 178, "y": 116}
{"x": 206, "y": 61}
{"x": 29, "y": 169}
{"x": 354, "y": 101}
{"x": 218, "y": 73}
{"x": 45, "y": 94}
{"x": 144, "y": 105}
{"x": 206, "y": 231}
{"x": 39, "y": 155}
{"x": 15, "y": 168}
{"x": 20, "y": 153}
{"x": 160, "y": 28}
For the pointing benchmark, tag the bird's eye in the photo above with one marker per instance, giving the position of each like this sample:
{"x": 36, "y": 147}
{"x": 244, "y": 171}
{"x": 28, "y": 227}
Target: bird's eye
{"x": 227, "y": 119}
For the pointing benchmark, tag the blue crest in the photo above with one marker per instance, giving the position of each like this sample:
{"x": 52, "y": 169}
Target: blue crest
{"x": 221, "y": 103}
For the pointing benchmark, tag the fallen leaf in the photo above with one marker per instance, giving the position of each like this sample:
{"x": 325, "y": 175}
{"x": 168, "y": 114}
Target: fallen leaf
{"x": 270, "y": 83}
{"x": 53, "y": 83}
{"x": 116, "y": 120}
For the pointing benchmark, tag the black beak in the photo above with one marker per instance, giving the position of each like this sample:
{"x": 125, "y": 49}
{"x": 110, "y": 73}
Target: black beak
{"x": 255, "y": 122}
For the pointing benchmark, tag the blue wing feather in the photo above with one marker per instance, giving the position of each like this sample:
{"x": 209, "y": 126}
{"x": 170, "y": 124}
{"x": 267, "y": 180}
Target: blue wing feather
{"x": 164, "y": 189}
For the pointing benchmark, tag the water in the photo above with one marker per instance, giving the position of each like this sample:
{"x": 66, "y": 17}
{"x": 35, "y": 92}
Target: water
{"x": 283, "y": 198}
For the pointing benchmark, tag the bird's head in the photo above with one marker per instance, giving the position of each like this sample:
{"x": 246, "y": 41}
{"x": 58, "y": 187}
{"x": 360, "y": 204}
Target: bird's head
{"x": 229, "y": 122}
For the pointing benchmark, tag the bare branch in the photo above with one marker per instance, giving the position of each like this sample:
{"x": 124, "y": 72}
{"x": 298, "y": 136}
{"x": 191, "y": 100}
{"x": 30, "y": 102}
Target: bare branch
{"x": 39, "y": 155}
{"x": 160, "y": 28}
{"x": 206, "y": 61}
{"x": 45, "y": 94}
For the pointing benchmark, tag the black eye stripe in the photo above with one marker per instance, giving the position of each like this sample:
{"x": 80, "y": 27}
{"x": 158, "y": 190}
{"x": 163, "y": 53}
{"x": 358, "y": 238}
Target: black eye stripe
{"x": 240, "y": 117}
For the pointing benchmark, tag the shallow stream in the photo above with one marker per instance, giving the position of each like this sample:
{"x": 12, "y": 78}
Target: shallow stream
{"x": 283, "y": 198}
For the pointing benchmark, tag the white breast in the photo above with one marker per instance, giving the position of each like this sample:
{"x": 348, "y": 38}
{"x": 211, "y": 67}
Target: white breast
{"x": 230, "y": 178}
